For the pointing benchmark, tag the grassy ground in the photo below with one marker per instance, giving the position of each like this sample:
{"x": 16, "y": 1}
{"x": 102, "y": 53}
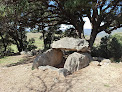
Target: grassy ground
{"x": 38, "y": 42}
{"x": 36, "y": 36}
{"x": 10, "y": 59}
{"x": 14, "y": 59}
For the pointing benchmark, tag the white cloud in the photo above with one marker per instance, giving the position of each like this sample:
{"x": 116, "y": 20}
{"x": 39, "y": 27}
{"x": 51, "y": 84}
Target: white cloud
{"x": 87, "y": 24}
{"x": 64, "y": 27}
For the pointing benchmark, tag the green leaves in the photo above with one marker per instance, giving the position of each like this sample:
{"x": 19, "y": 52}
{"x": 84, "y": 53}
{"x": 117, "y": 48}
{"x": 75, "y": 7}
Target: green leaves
{"x": 74, "y": 5}
{"x": 110, "y": 47}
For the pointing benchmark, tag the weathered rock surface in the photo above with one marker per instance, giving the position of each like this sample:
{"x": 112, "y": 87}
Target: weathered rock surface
{"x": 47, "y": 67}
{"x": 94, "y": 63}
{"x": 51, "y": 57}
{"x": 76, "y": 61}
{"x": 34, "y": 52}
{"x": 105, "y": 62}
{"x": 71, "y": 44}
{"x": 101, "y": 61}
{"x": 64, "y": 72}
{"x": 29, "y": 53}
{"x": 61, "y": 71}
{"x": 23, "y": 53}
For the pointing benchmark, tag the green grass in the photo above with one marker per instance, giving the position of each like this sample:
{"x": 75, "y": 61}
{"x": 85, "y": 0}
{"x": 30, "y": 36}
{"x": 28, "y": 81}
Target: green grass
{"x": 14, "y": 59}
{"x": 106, "y": 85}
{"x": 10, "y": 59}
{"x": 38, "y": 42}
{"x": 14, "y": 47}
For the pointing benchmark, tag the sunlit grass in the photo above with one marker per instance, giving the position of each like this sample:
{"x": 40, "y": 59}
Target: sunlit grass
{"x": 14, "y": 59}
{"x": 14, "y": 47}
{"x": 38, "y": 41}
{"x": 10, "y": 59}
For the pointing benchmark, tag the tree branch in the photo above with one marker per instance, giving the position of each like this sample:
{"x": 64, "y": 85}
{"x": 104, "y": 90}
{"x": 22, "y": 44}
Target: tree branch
{"x": 114, "y": 28}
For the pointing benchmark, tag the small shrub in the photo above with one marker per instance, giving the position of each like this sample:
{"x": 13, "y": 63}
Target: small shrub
{"x": 110, "y": 47}
{"x": 9, "y": 51}
{"x": 30, "y": 44}
{"x": 71, "y": 32}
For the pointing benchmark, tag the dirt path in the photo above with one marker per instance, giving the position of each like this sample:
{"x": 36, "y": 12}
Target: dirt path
{"x": 90, "y": 79}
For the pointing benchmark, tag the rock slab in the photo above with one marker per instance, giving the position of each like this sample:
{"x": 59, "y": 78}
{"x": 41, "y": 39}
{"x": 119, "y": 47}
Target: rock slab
{"x": 51, "y": 57}
{"x": 71, "y": 44}
{"x": 61, "y": 71}
{"x": 77, "y": 61}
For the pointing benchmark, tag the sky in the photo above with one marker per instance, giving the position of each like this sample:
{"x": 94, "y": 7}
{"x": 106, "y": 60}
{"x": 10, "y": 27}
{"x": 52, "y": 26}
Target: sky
{"x": 88, "y": 27}
{"x": 87, "y": 24}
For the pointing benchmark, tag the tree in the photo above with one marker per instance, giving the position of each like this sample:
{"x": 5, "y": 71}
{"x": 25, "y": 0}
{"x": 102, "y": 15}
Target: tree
{"x": 13, "y": 26}
{"x": 104, "y": 16}
{"x": 71, "y": 12}
{"x": 5, "y": 40}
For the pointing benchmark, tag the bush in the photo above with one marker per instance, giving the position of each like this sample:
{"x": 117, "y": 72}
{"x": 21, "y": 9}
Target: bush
{"x": 110, "y": 47}
{"x": 30, "y": 44}
{"x": 8, "y": 51}
{"x": 70, "y": 33}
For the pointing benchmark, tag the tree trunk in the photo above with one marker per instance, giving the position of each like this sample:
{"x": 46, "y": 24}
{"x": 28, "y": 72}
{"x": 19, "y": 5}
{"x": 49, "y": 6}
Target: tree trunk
{"x": 78, "y": 24}
{"x": 3, "y": 41}
{"x": 80, "y": 31}
{"x": 92, "y": 38}
{"x": 18, "y": 46}
{"x": 43, "y": 36}
{"x": 21, "y": 47}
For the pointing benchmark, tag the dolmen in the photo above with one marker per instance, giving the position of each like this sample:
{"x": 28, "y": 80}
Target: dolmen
{"x": 74, "y": 62}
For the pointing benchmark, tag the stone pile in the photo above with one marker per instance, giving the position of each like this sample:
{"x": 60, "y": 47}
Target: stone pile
{"x": 31, "y": 53}
{"x": 75, "y": 61}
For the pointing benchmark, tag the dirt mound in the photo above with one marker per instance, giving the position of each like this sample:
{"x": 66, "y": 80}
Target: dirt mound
{"x": 93, "y": 78}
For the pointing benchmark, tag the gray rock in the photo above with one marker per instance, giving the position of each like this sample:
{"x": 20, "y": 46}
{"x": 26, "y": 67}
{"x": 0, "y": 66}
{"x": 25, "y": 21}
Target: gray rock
{"x": 29, "y": 53}
{"x": 23, "y": 53}
{"x": 48, "y": 68}
{"x": 34, "y": 52}
{"x": 64, "y": 72}
{"x": 105, "y": 62}
{"x": 71, "y": 44}
{"x": 94, "y": 63}
{"x": 39, "y": 51}
{"x": 61, "y": 71}
{"x": 51, "y": 57}
{"x": 76, "y": 61}
{"x": 99, "y": 59}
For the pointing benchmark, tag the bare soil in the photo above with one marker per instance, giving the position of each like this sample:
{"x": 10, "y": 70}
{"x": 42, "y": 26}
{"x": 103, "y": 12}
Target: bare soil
{"x": 21, "y": 78}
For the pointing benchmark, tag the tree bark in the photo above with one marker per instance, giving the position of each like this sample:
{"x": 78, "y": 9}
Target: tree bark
{"x": 80, "y": 31}
{"x": 17, "y": 41}
{"x": 3, "y": 41}
{"x": 92, "y": 38}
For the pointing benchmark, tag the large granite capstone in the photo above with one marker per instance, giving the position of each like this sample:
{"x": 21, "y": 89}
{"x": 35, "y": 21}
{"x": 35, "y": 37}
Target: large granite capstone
{"x": 71, "y": 44}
